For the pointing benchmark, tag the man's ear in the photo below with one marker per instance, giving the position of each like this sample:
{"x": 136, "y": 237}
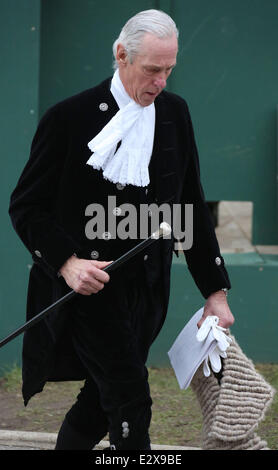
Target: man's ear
{"x": 121, "y": 55}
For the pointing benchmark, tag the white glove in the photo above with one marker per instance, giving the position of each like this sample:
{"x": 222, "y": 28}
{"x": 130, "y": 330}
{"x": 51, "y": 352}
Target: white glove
{"x": 222, "y": 344}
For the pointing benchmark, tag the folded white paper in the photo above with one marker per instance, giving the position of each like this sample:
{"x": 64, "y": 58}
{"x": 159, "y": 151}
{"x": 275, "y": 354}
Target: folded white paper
{"x": 187, "y": 353}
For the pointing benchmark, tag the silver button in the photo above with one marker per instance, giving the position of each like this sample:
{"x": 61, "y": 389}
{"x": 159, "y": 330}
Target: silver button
{"x": 146, "y": 191}
{"x": 218, "y": 261}
{"x": 120, "y": 186}
{"x": 106, "y": 236}
{"x": 117, "y": 211}
{"x": 145, "y": 257}
{"x": 95, "y": 254}
{"x": 103, "y": 106}
{"x": 38, "y": 254}
{"x": 125, "y": 429}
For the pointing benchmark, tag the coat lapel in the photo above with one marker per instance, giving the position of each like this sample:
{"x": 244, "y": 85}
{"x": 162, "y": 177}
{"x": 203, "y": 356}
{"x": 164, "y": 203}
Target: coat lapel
{"x": 106, "y": 107}
{"x": 163, "y": 164}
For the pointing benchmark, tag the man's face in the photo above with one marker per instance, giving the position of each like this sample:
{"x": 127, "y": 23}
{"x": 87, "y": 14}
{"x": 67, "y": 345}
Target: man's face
{"x": 146, "y": 77}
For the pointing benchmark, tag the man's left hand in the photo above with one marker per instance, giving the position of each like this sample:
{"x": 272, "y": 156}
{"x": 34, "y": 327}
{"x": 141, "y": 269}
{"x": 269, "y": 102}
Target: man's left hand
{"x": 217, "y": 305}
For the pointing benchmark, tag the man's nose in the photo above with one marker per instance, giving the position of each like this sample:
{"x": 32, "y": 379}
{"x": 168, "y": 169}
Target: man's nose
{"x": 160, "y": 82}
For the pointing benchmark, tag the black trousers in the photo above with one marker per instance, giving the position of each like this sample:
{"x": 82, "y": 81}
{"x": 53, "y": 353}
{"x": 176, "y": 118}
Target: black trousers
{"x": 112, "y": 333}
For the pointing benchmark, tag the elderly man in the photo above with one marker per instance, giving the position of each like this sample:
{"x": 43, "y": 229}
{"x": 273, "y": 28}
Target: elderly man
{"x": 129, "y": 139}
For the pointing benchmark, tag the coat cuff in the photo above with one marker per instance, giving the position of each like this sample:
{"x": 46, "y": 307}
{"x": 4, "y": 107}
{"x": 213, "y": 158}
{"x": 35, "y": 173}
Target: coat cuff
{"x": 213, "y": 276}
{"x": 51, "y": 254}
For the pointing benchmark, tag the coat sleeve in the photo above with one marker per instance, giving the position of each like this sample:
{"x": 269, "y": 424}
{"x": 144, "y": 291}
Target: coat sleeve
{"x": 204, "y": 259}
{"x": 32, "y": 203}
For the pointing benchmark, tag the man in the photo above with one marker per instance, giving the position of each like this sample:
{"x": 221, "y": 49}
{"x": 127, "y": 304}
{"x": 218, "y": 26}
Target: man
{"x": 129, "y": 139}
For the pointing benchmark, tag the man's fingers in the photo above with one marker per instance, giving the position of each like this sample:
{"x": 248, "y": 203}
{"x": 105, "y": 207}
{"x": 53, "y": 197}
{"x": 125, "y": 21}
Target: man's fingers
{"x": 100, "y": 275}
{"x": 97, "y": 271}
{"x": 86, "y": 277}
{"x": 93, "y": 278}
{"x": 225, "y": 320}
{"x": 101, "y": 264}
{"x": 88, "y": 287}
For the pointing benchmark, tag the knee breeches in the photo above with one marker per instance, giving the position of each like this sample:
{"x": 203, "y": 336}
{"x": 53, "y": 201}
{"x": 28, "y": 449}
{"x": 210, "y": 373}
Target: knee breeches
{"x": 112, "y": 333}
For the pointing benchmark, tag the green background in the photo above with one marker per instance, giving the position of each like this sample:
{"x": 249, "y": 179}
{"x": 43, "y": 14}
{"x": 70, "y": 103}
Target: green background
{"x": 228, "y": 73}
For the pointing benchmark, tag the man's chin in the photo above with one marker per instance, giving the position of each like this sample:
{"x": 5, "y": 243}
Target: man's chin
{"x": 148, "y": 98}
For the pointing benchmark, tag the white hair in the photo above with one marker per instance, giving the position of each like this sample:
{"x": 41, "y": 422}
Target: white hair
{"x": 149, "y": 21}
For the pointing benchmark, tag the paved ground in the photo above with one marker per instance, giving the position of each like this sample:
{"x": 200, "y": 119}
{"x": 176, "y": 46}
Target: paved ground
{"x": 235, "y": 228}
{"x": 20, "y": 440}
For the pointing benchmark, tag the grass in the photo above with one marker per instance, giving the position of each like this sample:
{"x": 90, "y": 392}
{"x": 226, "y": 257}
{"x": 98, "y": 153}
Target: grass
{"x": 12, "y": 379}
{"x": 268, "y": 429}
{"x": 177, "y": 419}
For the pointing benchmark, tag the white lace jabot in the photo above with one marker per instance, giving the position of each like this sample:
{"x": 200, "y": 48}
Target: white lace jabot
{"x": 133, "y": 125}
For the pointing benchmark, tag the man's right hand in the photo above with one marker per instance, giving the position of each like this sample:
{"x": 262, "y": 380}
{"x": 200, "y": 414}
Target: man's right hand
{"x": 85, "y": 277}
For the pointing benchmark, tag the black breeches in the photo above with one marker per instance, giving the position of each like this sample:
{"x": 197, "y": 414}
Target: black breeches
{"x": 112, "y": 333}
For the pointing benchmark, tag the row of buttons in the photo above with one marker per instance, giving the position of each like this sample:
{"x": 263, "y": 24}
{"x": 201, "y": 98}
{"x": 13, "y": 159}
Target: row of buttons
{"x": 121, "y": 186}
{"x": 125, "y": 429}
{"x": 118, "y": 211}
{"x": 95, "y": 255}
{"x": 107, "y": 236}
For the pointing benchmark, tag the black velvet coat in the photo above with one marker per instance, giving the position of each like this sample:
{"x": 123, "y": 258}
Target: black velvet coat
{"x": 48, "y": 206}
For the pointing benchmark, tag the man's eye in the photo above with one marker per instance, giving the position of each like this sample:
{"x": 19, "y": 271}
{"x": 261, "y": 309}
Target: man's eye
{"x": 151, "y": 71}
